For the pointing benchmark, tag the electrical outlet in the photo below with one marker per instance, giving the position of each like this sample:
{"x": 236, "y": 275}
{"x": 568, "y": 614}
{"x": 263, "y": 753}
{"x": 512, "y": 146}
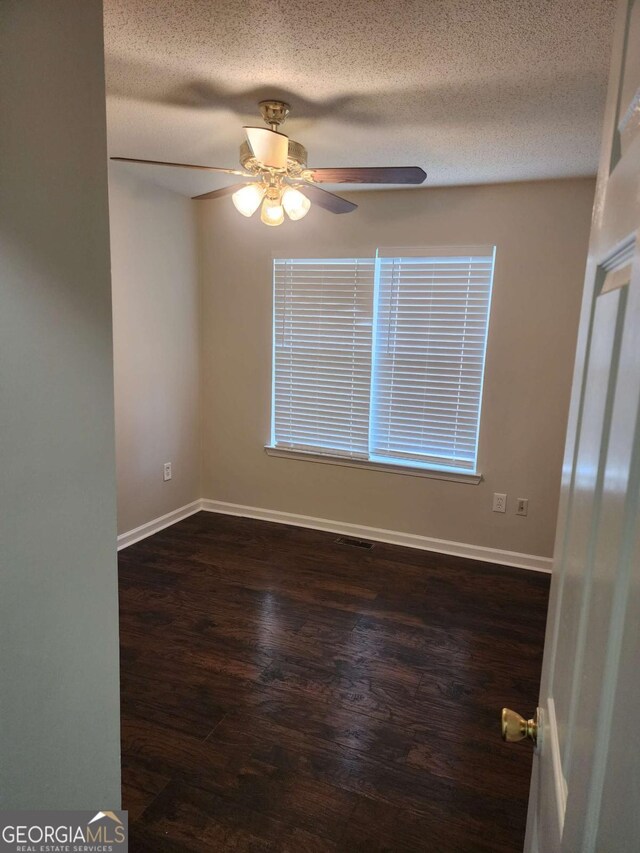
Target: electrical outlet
{"x": 167, "y": 471}
{"x": 499, "y": 502}
{"x": 522, "y": 506}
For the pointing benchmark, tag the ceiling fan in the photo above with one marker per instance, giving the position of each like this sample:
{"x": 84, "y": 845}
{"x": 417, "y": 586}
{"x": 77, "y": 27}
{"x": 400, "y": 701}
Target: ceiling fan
{"x": 279, "y": 179}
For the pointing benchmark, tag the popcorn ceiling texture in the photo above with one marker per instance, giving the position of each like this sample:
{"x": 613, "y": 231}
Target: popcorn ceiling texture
{"x": 474, "y": 92}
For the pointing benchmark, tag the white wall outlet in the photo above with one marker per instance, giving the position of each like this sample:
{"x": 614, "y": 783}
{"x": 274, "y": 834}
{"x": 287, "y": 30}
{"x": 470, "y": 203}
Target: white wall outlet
{"x": 166, "y": 471}
{"x": 499, "y": 502}
{"x": 522, "y": 506}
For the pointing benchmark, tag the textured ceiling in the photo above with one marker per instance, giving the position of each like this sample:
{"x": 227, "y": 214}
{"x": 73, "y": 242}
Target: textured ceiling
{"x": 473, "y": 91}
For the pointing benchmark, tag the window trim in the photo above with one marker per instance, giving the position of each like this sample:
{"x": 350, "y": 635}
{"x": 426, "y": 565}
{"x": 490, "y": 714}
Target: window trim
{"x": 472, "y": 477}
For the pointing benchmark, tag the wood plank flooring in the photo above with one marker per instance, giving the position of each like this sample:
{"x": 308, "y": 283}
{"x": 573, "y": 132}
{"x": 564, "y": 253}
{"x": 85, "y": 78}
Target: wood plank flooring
{"x": 282, "y": 692}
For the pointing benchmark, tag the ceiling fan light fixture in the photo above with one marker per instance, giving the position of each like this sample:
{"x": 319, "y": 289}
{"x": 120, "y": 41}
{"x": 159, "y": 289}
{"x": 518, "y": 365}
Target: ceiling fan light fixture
{"x": 247, "y": 200}
{"x": 272, "y": 210}
{"x": 295, "y": 203}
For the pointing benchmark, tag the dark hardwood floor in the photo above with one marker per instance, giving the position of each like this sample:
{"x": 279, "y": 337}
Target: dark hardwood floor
{"x": 282, "y": 692}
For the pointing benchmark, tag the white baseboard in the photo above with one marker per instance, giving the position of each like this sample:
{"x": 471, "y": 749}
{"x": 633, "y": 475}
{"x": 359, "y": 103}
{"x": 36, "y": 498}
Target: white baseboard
{"x": 393, "y": 537}
{"x": 156, "y": 524}
{"x": 360, "y": 531}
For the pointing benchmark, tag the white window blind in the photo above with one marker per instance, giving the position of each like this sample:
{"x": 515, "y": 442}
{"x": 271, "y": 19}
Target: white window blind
{"x": 432, "y": 311}
{"x": 322, "y": 355}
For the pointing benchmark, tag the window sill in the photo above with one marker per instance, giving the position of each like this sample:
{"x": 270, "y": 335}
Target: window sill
{"x": 385, "y": 467}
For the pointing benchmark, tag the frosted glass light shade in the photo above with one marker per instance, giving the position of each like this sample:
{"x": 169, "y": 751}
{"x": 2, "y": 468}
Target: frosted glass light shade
{"x": 295, "y": 203}
{"x": 247, "y": 200}
{"x": 272, "y": 212}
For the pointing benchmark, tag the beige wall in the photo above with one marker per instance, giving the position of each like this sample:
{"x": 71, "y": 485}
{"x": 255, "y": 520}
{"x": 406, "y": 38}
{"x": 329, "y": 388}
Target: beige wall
{"x": 155, "y": 325}
{"x": 541, "y": 233}
{"x": 59, "y": 708}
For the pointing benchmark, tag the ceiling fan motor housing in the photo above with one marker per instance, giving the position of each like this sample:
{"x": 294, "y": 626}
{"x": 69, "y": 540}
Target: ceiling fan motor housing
{"x": 296, "y": 159}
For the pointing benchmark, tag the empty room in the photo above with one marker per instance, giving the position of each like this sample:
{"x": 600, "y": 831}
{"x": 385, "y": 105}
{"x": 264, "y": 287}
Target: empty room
{"x": 320, "y": 426}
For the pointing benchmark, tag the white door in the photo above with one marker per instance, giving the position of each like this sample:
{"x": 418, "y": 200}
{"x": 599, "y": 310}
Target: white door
{"x": 585, "y": 791}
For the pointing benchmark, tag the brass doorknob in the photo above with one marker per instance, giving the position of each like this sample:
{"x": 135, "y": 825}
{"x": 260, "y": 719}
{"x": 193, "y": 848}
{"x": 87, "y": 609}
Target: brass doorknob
{"x": 515, "y": 727}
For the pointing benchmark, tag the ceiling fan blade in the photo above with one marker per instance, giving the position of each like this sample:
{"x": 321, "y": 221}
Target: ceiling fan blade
{"x": 184, "y": 166}
{"x": 330, "y": 201}
{"x": 269, "y": 147}
{"x": 369, "y": 175}
{"x": 219, "y": 193}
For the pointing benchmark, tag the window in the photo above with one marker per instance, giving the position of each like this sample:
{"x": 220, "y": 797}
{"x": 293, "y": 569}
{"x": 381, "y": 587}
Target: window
{"x": 322, "y": 355}
{"x": 382, "y": 359}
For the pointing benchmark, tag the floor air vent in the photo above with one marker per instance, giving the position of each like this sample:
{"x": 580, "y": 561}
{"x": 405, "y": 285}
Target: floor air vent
{"x": 355, "y": 543}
